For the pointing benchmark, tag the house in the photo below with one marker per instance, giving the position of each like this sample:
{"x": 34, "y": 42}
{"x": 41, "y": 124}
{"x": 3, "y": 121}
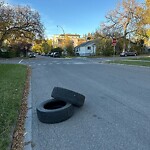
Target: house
{"x": 86, "y": 49}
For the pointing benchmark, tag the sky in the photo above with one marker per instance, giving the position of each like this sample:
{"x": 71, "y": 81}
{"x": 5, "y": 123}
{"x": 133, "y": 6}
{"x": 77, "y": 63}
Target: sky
{"x": 74, "y": 16}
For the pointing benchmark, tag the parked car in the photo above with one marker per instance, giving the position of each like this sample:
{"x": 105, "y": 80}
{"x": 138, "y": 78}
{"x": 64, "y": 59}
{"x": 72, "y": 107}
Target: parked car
{"x": 38, "y": 53}
{"x": 127, "y": 53}
{"x": 55, "y": 54}
{"x": 31, "y": 55}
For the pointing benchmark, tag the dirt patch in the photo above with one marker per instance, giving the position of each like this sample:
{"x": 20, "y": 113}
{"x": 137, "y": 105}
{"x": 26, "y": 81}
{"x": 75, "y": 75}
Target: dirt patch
{"x": 18, "y": 135}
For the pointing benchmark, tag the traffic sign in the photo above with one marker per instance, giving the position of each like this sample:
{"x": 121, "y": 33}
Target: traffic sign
{"x": 114, "y": 41}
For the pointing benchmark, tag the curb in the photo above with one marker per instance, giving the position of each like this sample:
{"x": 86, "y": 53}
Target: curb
{"x": 28, "y": 123}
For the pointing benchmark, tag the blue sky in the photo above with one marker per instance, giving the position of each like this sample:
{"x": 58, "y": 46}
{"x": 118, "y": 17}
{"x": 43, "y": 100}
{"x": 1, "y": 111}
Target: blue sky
{"x": 74, "y": 16}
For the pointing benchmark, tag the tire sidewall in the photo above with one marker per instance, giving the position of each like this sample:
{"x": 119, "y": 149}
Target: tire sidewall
{"x": 69, "y": 96}
{"x": 54, "y": 115}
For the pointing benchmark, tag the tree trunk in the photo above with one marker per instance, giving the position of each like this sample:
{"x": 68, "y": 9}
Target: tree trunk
{"x": 124, "y": 43}
{"x": 1, "y": 42}
{"x": 2, "y": 39}
{"x": 124, "y": 38}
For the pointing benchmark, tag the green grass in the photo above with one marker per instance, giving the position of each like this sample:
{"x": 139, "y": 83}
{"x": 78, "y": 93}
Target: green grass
{"x": 12, "y": 81}
{"x": 141, "y": 58}
{"x": 128, "y": 62}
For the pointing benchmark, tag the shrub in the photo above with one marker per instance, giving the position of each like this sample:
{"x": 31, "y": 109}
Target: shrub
{"x": 8, "y": 54}
{"x": 107, "y": 52}
{"x": 70, "y": 50}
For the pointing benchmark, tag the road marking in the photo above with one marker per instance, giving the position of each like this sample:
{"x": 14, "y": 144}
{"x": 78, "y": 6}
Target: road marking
{"x": 67, "y": 63}
{"x": 20, "y": 61}
{"x": 78, "y": 63}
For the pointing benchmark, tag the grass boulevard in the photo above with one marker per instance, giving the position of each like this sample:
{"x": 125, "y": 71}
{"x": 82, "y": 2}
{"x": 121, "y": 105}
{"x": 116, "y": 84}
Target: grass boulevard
{"x": 143, "y": 61}
{"x": 13, "y": 93}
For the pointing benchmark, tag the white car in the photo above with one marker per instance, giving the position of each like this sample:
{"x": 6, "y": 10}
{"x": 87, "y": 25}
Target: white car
{"x": 127, "y": 53}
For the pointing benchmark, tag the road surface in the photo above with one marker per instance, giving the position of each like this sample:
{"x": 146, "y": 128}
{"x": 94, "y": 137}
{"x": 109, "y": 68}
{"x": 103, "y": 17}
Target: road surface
{"x": 116, "y": 113}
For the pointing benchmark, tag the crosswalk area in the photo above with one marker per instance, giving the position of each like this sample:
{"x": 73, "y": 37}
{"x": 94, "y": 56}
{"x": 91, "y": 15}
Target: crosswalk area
{"x": 34, "y": 63}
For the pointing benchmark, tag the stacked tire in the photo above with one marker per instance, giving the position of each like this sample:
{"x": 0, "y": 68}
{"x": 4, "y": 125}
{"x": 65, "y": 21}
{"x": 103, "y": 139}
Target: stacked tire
{"x": 60, "y": 107}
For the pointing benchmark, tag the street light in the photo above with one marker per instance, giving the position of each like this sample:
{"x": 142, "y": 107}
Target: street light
{"x": 61, "y": 28}
{"x": 64, "y": 36}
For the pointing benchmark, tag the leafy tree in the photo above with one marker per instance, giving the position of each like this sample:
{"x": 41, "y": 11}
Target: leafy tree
{"x": 144, "y": 32}
{"x": 37, "y": 47}
{"x": 90, "y": 36}
{"x": 45, "y": 47}
{"x": 49, "y": 42}
{"x": 70, "y": 50}
{"x": 100, "y": 43}
{"x": 104, "y": 46}
{"x": 42, "y": 46}
{"x": 147, "y": 12}
{"x": 81, "y": 40}
{"x": 68, "y": 45}
{"x": 19, "y": 22}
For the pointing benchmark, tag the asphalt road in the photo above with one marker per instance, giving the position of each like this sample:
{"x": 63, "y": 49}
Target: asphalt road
{"x": 116, "y": 113}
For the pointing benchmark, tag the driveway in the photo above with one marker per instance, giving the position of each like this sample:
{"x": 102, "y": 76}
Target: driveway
{"x": 115, "y": 116}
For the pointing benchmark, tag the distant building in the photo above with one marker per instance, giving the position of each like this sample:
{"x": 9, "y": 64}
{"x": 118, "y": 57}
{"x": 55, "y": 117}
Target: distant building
{"x": 58, "y": 40}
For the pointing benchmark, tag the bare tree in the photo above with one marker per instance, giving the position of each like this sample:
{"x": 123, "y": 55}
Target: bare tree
{"x": 19, "y": 21}
{"x": 123, "y": 20}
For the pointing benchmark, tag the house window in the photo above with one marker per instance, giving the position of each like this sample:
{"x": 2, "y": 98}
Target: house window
{"x": 89, "y": 47}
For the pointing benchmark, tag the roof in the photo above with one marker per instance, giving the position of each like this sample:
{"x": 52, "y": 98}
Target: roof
{"x": 86, "y": 43}
{"x": 70, "y": 34}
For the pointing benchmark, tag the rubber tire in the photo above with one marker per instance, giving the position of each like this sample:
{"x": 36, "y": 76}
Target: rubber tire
{"x": 53, "y": 115}
{"x": 69, "y": 96}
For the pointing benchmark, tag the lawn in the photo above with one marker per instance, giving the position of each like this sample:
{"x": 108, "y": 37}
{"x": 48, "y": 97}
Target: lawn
{"x": 141, "y": 58}
{"x": 143, "y": 61}
{"x": 12, "y": 84}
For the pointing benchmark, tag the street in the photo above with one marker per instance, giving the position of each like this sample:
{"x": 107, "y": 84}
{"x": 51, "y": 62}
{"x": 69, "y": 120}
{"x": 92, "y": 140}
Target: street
{"x": 116, "y": 113}
{"x": 101, "y": 52}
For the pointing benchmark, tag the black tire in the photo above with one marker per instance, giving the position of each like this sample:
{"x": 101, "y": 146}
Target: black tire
{"x": 69, "y": 96}
{"x": 54, "y": 111}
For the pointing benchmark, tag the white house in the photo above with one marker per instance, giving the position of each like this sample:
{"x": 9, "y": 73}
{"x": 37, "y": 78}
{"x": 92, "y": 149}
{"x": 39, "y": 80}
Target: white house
{"x": 86, "y": 49}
